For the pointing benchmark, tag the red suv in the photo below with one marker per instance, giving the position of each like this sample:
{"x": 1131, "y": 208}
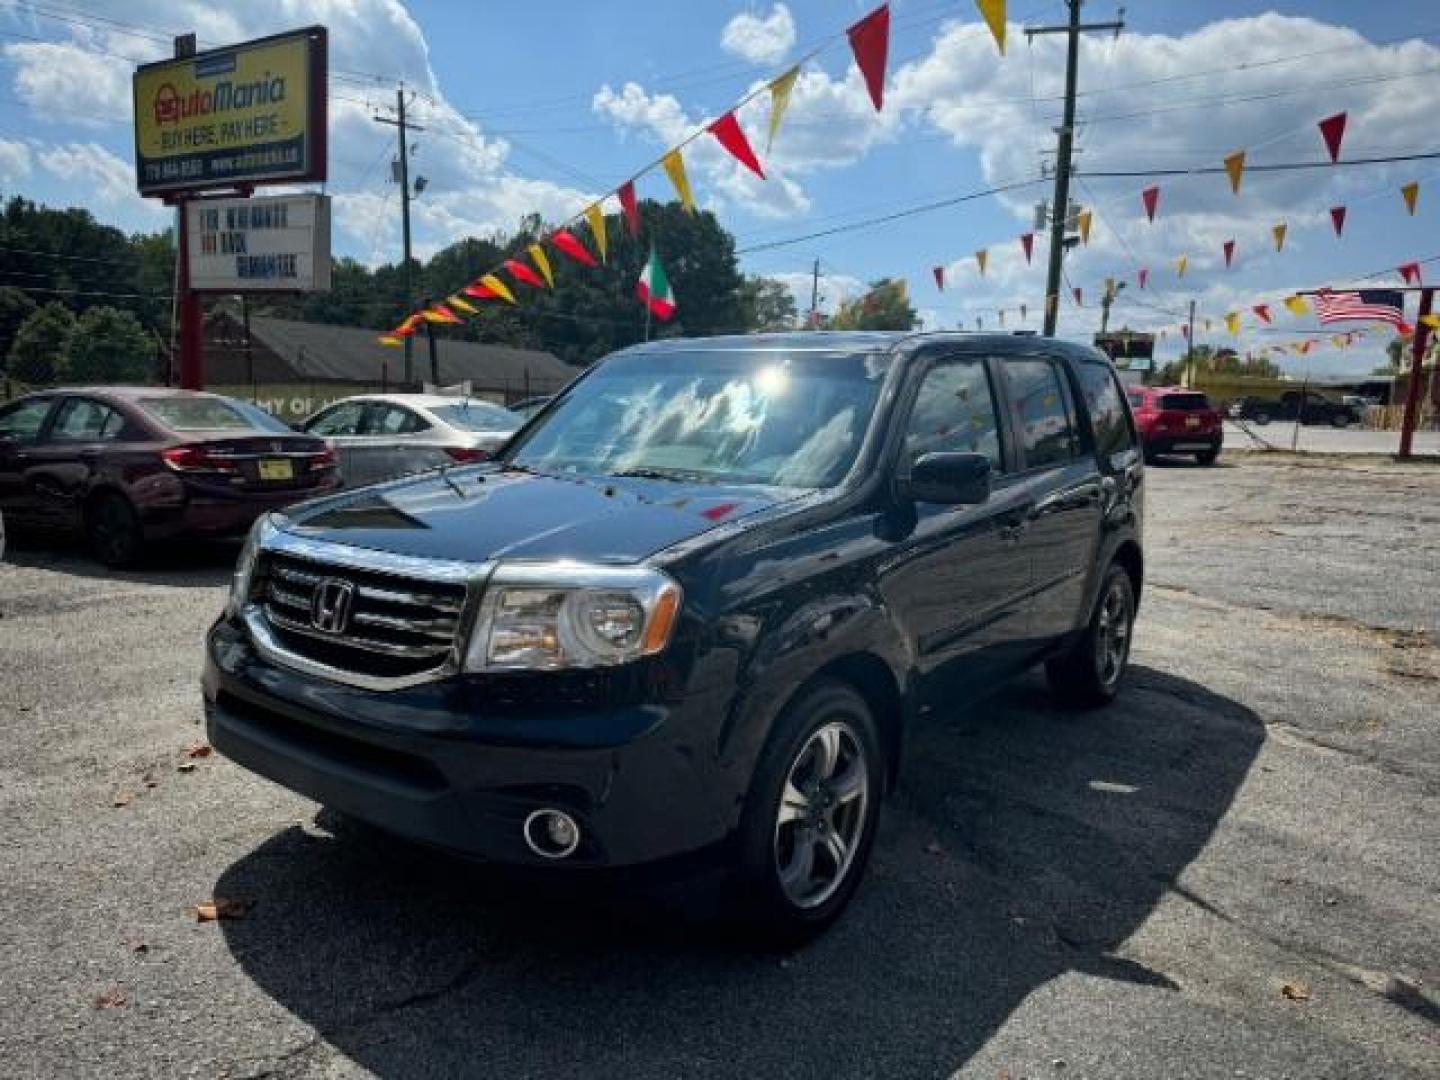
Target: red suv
{"x": 1174, "y": 420}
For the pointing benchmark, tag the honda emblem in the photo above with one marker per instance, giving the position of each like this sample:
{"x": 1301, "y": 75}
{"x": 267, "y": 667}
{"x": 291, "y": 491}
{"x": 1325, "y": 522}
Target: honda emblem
{"x": 330, "y": 605}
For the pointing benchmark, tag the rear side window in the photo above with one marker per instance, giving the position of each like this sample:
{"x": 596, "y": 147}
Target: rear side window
{"x": 954, "y": 412}
{"x": 83, "y": 420}
{"x": 393, "y": 420}
{"x": 1041, "y": 412}
{"x": 1107, "y": 411}
{"x": 1184, "y": 402}
{"x": 342, "y": 419}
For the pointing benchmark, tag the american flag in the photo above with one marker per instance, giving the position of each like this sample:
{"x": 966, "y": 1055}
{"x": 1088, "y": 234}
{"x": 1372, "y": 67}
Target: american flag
{"x": 1361, "y": 305}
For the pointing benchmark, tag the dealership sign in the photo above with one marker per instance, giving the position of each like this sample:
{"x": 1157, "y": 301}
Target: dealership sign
{"x": 247, "y": 114}
{"x": 276, "y": 243}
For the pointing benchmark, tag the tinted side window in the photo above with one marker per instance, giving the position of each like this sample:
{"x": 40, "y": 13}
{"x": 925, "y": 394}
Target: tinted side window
{"x": 24, "y": 419}
{"x": 83, "y": 420}
{"x": 1041, "y": 412}
{"x": 1107, "y": 411}
{"x": 954, "y": 412}
{"x": 339, "y": 420}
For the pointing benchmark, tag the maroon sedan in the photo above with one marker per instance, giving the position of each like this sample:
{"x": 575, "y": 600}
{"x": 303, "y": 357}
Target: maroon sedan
{"x": 126, "y": 465}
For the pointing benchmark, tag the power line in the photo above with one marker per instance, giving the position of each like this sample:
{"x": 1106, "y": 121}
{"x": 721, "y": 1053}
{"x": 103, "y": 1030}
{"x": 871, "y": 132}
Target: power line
{"x": 1283, "y": 166}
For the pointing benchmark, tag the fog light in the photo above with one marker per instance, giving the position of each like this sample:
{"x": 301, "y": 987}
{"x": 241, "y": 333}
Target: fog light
{"x": 551, "y": 834}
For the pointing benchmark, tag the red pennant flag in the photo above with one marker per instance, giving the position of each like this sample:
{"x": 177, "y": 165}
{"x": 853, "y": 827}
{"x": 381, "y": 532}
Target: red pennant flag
{"x": 567, "y": 243}
{"x": 870, "y": 41}
{"x": 732, "y": 136}
{"x": 1229, "y": 252}
{"x": 1262, "y": 312}
{"x": 1027, "y": 241}
{"x": 441, "y": 313}
{"x": 1332, "y": 130}
{"x": 1143, "y": 276}
{"x": 1410, "y": 273}
{"x": 1151, "y": 198}
{"x": 940, "y": 278}
{"x": 1079, "y": 296}
{"x": 630, "y": 207}
{"x": 480, "y": 292}
{"x": 520, "y": 272}
{"x": 1337, "y": 218}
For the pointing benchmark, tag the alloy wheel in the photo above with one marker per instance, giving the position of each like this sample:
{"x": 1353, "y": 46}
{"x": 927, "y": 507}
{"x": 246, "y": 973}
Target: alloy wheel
{"x": 821, "y": 816}
{"x": 1112, "y": 632}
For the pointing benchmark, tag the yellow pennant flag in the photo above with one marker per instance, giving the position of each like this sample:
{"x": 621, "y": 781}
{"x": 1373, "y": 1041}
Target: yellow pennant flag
{"x": 1411, "y": 191}
{"x": 463, "y": 305}
{"x": 1432, "y": 321}
{"x": 1181, "y": 264}
{"x": 596, "y": 217}
{"x": 390, "y": 339}
{"x": 780, "y": 101}
{"x": 982, "y": 257}
{"x": 1235, "y": 169}
{"x": 675, "y": 169}
{"x": 498, "y": 287}
{"x": 1279, "y": 233}
{"x": 1082, "y": 220}
{"x": 993, "y": 11}
{"x": 1297, "y": 305}
{"x": 543, "y": 262}
{"x": 1232, "y": 323}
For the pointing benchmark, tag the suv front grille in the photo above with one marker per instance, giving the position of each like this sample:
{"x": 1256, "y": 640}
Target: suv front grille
{"x": 391, "y": 626}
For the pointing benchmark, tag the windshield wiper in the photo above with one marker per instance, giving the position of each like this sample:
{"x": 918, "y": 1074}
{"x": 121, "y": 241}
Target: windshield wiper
{"x": 652, "y": 473}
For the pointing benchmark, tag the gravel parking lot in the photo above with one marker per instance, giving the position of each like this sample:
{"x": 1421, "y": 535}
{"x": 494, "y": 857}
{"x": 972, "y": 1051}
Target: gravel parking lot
{"x": 1233, "y": 872}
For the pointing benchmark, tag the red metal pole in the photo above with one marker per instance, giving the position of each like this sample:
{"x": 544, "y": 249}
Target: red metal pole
{"x": 1417, "y": 374}
{"x": 192, "y": 358}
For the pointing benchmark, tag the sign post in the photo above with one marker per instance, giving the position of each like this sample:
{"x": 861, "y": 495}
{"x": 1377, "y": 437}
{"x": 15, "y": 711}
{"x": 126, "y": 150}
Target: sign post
{"x": 225, "y": 120}
{"x": 1417, "y": 374}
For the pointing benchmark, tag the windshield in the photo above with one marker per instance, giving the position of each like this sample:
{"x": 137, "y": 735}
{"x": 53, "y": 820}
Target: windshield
{"x": 207, "y": 414}
{"x": 477, "y": 416}
{"x": 774, "y": 418}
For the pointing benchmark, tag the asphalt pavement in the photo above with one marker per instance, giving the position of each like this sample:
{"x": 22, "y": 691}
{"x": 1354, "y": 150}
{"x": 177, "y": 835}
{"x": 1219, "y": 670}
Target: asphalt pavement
{"x": 1232, "y": 872}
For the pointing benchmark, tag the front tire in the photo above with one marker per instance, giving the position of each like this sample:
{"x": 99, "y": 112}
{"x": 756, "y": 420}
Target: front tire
{"x": 113, "y": 530}
{"x": 810, "y": 817}
{"x": 1207, "y": 457}
{"x": 1090, "y": 674}
{"x": 1340, "y": 420}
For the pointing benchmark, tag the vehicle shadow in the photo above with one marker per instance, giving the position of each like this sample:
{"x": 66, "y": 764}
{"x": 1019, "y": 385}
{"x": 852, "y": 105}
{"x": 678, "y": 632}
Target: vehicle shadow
{"x": 1025, "y": 842}
{"x": 187, "y": 564}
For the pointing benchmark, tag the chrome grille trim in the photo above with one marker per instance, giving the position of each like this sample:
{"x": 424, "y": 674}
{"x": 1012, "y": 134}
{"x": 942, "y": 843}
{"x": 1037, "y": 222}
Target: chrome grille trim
{"x": 428, "y": 640}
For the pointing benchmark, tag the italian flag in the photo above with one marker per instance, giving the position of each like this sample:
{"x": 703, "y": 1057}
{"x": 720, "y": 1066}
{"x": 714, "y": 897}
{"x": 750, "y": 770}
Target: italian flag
{"x": 653, "y": 288}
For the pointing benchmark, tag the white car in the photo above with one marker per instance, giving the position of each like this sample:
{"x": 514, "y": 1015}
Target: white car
{"x": 379, "y": 436}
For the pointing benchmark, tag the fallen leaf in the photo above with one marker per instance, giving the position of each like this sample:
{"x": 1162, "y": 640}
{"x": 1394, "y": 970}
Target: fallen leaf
{"x": 121, "y": 799}
{"x": 1285, "y": 879}
{"x": 150, "y": 781}
{"x": 199, "y": 749}
{"x": 135, "y": 945}
{"x": 113, "y": 998}
{"x": 1295, "y": 991}
{"x": 185, "y": 766}
{"x": 221, "y": 908}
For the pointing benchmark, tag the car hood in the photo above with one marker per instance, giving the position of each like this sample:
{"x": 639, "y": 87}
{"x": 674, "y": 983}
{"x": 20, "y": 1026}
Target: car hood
{"x": 475, "y": 514}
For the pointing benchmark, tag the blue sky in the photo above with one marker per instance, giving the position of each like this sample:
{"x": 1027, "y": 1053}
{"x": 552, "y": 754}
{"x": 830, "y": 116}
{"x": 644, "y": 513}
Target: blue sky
{"x": 545, "y": 106}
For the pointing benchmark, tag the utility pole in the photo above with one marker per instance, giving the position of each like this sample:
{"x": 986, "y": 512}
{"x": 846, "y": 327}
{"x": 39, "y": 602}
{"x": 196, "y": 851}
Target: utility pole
{"x": 1074, "y": 28}
{"x": 402, "y": 129}
{"x": 815, "y": 296}
{"x": 1190, "y": 347}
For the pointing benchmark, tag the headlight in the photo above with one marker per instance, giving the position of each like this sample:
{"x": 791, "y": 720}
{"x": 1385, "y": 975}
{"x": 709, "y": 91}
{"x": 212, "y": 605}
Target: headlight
{"x": 546, "y": 617}
{"x": 245, "y": 567}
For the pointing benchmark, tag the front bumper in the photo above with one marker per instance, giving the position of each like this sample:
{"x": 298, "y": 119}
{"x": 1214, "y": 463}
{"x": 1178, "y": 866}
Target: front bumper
{"x": 448, "y": 764}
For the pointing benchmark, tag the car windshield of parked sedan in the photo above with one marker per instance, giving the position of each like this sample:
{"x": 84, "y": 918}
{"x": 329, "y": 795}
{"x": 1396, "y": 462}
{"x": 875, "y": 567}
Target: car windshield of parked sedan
{"x": 787, "y": 419}
{"x": 478, "y": 416}
{"x": 201, "y": 414}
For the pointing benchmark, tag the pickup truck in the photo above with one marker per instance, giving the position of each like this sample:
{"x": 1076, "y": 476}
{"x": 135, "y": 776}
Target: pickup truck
{"x": 1307, "y": 406}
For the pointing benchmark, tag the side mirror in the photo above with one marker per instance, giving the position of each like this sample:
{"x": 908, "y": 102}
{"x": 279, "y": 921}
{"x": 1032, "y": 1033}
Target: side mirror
{"x": 949, "y": 478}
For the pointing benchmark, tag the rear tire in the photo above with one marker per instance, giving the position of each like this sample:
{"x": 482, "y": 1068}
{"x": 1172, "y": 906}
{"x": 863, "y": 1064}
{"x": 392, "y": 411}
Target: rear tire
{"x": 1090, "y": 674}
{"x": 810, "y": 817}
{"x": 112, "y": 528}
{"x": 1340, "y": 420}
{"x": 1207, "y": 457}
{"x": 1262, "y": 418}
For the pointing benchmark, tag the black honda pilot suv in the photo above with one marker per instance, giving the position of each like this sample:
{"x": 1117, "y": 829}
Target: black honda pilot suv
{"x": 695, "y": 604}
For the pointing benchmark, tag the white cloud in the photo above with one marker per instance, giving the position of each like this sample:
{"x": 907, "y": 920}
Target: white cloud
{"x": 14, "y": 161}
{"x": 68, "y": 82}
{"x": 90, "y": 166}
{"x": 760, "y": 39}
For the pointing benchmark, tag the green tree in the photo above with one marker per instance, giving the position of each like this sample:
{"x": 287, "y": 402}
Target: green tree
{"x": 768, "y": 304}
{"x": 885, "y": 307}
{"x": 108, "y": 345}
{"x": 37, "y": 356}
{"x": 15, "y": 307}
